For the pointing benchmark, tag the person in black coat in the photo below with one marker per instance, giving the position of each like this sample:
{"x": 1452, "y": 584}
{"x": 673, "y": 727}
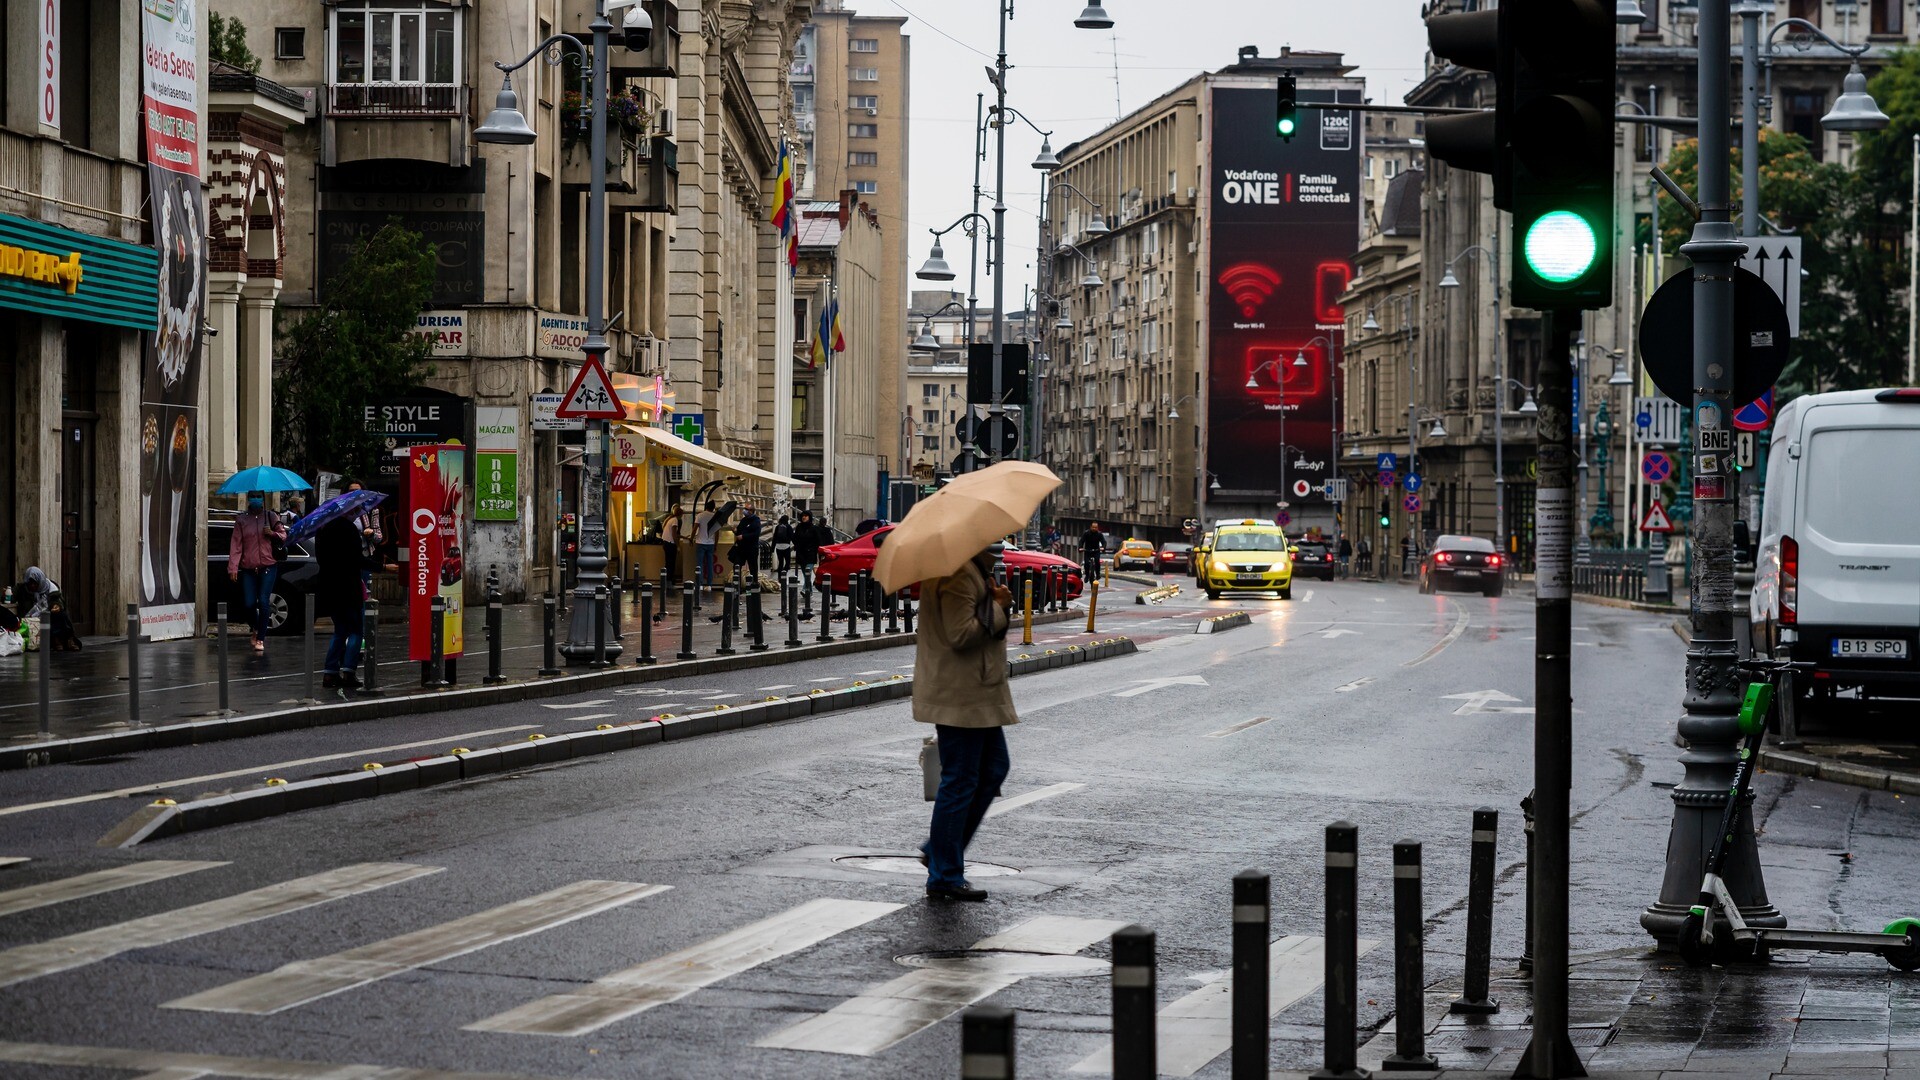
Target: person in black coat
{"x": 339, "y": 592}
{"x": 783, "y": 546}
{"x": 807, "y": 538}
{"x": 746, "y": 546}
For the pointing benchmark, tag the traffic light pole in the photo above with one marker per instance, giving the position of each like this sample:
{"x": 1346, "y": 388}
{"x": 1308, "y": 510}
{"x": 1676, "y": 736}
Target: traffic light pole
{"x": 1711, "y": 726}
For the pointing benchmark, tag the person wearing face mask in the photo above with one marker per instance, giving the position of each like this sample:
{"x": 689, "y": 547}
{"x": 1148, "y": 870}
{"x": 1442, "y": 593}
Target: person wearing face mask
{"x": 251, "y": 562}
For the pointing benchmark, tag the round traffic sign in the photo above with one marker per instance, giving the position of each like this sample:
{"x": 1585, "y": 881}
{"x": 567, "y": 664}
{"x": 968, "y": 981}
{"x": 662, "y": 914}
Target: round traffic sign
{"x": 1412, "y": 503}
{"x": 1387, "y": 479}
{"x": 1283, "y": 518}
{"x": 1413, "y": 482}
{"x": 1656, "y": 467}
{"x": 1761, "y": 339}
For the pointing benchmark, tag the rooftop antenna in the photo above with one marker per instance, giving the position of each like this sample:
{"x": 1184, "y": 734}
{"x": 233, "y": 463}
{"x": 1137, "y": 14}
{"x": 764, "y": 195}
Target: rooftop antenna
{"x": 1114, "y": 39}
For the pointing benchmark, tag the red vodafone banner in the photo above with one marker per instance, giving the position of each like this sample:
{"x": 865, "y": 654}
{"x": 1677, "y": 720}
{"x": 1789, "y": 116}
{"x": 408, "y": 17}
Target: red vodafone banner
{"x": 436, "y": 488}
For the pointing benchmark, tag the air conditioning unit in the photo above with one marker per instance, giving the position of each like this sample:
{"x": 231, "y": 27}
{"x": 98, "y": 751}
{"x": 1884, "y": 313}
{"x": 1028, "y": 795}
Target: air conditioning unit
{"x": 1193, "y": 247}
{"x": 873, "y": 110}
{"x": 1193, "y": 193}
{"x": 310, "y": 98}
{"x": 679, "y": 475}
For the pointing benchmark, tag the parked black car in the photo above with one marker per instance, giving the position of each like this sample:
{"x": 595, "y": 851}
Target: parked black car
{"x": 292, "y": 586}
{"x": 1463, "y": 563}
{"x": 1313, "y": 559}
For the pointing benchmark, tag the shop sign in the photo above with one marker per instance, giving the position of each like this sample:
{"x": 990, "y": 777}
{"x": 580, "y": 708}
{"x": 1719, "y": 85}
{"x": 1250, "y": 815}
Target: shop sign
{"x": 41, "y": 267}
{"x": 561, "y": 337}
{"x": 626, "y": 479}
{"x": 49, "y": 270}
{"x": 46, "y": 63}
{"x": 546, "y": 414}
{"x": 436, "y": 479}
{"x": 496, "y": 454}
{"x": 628, "y": 449}
{"x": 446, "y": 330}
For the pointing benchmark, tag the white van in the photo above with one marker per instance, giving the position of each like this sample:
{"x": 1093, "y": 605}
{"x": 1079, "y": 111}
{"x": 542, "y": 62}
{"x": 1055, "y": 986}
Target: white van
{"x": 1837, "y": 578}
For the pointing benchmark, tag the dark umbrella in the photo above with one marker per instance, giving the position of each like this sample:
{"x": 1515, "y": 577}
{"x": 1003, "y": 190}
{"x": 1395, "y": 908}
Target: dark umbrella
{"x": 342, "y": 505}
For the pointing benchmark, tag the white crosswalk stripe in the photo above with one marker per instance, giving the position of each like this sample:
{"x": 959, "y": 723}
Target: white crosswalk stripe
{"x": 113, "y": 878}
{"x": 1197, "y": 1028}
{"x": 309, "y": 980}
{"x": 25, "y": 962}
{"x": 894, "y": 1010}
{"x": 9, "y": 860}
{"x": 190, "y": 1066}
{"x": 1002, "y": 806}
{"x": 669, "y": 978}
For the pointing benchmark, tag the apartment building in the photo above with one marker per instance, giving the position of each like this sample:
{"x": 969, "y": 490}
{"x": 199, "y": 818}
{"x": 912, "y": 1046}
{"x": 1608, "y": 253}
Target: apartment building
{"x": 839, "y": 358}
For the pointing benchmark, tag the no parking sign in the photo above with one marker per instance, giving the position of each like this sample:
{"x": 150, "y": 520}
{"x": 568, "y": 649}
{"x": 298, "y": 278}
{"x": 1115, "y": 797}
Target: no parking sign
{"x": 1412, "y": 503}
{"x": 1656, "y": 467}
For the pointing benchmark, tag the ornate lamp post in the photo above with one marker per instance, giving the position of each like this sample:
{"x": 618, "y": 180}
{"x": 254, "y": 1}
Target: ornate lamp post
{"x": 1600, "y": 526}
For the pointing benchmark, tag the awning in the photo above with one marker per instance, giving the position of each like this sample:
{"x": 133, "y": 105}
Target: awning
{"x": 675, "y": 446}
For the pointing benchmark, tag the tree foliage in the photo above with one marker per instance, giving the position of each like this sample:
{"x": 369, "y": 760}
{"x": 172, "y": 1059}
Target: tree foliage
{"x": 227, "y": 42}
{"x": 357, "y": 349}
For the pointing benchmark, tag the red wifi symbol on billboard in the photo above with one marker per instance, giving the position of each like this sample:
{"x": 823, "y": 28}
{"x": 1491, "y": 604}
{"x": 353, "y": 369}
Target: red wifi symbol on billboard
{"x": 1249, "y": 284}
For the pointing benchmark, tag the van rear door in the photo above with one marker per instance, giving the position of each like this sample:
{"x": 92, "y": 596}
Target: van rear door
{"x": 1859, "y": 539}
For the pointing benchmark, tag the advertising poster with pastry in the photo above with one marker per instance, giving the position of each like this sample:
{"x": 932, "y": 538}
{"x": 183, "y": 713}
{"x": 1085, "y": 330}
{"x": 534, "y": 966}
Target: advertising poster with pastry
{"x": 170, "y": 509}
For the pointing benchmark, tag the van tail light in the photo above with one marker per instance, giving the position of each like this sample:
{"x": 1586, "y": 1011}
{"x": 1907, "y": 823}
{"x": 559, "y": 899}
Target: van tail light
{"x": 1789, "y": 582}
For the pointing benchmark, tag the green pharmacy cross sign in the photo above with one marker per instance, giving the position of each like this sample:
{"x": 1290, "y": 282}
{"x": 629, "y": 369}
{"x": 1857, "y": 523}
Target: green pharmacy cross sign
{"x": 692, "y": 428}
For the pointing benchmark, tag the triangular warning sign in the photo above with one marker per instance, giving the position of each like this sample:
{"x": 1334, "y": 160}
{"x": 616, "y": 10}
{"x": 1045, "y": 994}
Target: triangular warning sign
{"x": 591, "y": 396}
{"x": 1656, "y": 520}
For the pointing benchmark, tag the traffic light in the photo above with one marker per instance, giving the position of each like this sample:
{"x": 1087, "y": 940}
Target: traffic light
{"x": 1286, "y": 108}
{"x": 1386, "y": 516}
{"x": 1475, "y": 142}
{"x": 1560, "y": 138}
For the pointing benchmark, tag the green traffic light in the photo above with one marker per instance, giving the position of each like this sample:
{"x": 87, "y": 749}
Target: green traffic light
{"x": 1561, "y": 246}
{"x": 1286, "y": 125}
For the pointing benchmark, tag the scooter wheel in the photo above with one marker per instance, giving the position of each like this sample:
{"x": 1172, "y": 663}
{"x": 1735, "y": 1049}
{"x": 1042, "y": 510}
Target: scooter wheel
{"x": 1691, "y": 950}
{"x": 1907, "y": 958}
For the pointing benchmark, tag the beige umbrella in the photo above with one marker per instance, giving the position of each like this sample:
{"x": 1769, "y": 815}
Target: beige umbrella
{"x": 957, "y": 522}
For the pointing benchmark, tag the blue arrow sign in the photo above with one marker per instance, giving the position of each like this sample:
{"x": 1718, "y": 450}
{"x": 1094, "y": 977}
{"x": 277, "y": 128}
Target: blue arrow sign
{"x": 1413, "y": 482}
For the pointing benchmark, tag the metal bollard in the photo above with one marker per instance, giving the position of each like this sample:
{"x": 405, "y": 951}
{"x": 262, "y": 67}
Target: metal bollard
{"x": 613, "y": 597}
{"x": 1409, "y": 966}
{"x": 599, "y": 626}
{"x": 434, "y": 673}
{"x": 1476, "y": 1000}
{"x": 1343, "y": 953}
{"x": 1252, "y": 894}
{"x": 729, "y": 597}
{"x": 666, "y": 592}
{"x": 1093, "y": 604}
{"x": 1526, "y": 826}
{"x": 550, "y": 645}
{"x": 1026, "y": 610}
{"x": 754, "y": 629}
{"x": 873, "y": 595}
{"x": 739, "y": 587}
{"x": 46, "y": 674}
{"x": 805, "y": 593}
{"x": 494, "y": 612}
{"x": 906, "y": 612}
{"x": 853, "y": 606}
{"x": 893, "y": 613}
{"x": 1056, "y": 590}
{"x": 133, "y": 664}
{"x": 370, "y": 647}
{"x": 826, "y": 611}
{"x": 308, "y": 646}
{"x": 689, "y": 596}
{"x": 790, "y": 599}
{"x": 1135, "y": 1050}
{"x": 646, "y": 625}
{"x": 220, "y": 624}
{"x": 986, "y": 1043}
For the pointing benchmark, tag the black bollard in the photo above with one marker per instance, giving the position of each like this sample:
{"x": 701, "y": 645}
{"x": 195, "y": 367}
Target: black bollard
{"x": 1343, "y": 954}
{"x": 986, "y": 1043}
{"x": 853, "y": 606}
{"x": 133, "y": 665}
{"x": 826, "y": 611}
{"x": 646, "y": 625}
{"x": 906, "y": 612}
{"x": 46, "y": 674}
{"x": 1409, "y": 966}
{"x": 599, "y": 627}
{"x": 370, "y": 648}
{"x": 665, "y": 594}
{"x": 494, "y": 612}
{"x": 433, "y": 674}
{"x": 220, "y": 622}
{"x": 1251, "y": 898}
{"x": 689, "y": 596}
{"x": 754, "y": 627}
{"x": 550, "y": 646}
{"x": 736, "y": 601}
{"x": 893, "y": 613}
{"x": 790, "y": 599}
{"x": 1476, "y": 999}
{"x": 1135, "y": 1050}
{"x": 729, "y": 596}
{"x": 805, "y": 593}
{"x": 873, "y": 597}
{"x": 1526, "y": 826}
{"x": 613, "y": 597}
{"x": 308, "y": 613}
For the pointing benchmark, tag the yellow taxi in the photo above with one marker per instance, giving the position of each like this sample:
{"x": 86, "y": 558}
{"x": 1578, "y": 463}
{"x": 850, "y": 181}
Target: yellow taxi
{"x": 1249, "y": 556}
{"x": 1135, "y": 552}
{"x": 1197, "y": 561}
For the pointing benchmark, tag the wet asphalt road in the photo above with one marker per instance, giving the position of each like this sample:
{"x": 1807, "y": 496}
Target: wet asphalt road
{"x": 1160, "y": 776}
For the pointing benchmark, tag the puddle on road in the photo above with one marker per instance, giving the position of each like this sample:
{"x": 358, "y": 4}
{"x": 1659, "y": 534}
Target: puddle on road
{"x": 907, "y": 864}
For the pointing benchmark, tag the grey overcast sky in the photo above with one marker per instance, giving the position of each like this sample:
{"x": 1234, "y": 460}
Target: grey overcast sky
{"x": 1067, "y": 80}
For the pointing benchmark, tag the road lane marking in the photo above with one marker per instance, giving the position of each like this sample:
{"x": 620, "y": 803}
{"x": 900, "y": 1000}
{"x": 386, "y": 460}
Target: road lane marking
{"x": 304, "y": 981}
{"x": 875, "y": 671}
{"x": 592, "y": 716}
{"x": 1235, "y": 728}
{"x": 1335, "y": 632}
{"x": 1480, "y": 701}
{"x": 579, "y": 704}
{"x": 830, "y": 678}
{"x": 25, "y": 962}
{"x": 1148, "y": 685}
{"x": 1306, "y": 596}
{"x": 161, "y": 785}
{"x": 9, "y": 860}
{"x": 1453, "y": 635}
{"x": 669, "y": 978}
{"x": 1347, "y": 688}
{"x": 1003, "y": 806}
{"x": 48, "y": 893}
{"x": 718, "y": 697}
{"x": 1197, "y": 1028}
{"x": 181, "y": 1066}
{"x": 896, "y": 1009}
{"x": 779, "y": 686}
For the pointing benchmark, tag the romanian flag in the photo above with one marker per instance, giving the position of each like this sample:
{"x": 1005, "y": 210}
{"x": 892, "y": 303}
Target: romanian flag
{"x": 793, "y": 252}
{"x": 839, "y": 339}
{"x": 783, "y": 192}
{"x": 819, "y": 354}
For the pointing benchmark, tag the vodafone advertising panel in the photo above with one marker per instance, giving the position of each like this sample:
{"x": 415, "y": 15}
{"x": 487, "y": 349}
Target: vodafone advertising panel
{"x": 436, "y": 488}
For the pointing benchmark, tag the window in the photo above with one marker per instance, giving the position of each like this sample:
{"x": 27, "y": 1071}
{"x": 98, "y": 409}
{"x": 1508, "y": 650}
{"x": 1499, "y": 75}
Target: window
{"x": 866, "y": 187}
{"x": 864, "y": 101}
{"x": 1805, "y": 9}
{"x": 863, "y": 131}
{"x": 396, "y": 43}
{"x": 863, "y": 157}
{"x": 1886, "y": 16}
{"x": 930, "y": 416}
{"x": 802, "y": 322}
{"x": 1803, "y": 111}
{"x": 929, "y": 391}
{"x": 864, "y": 74}
{"x": 930, "y": 443}
{"x": 870, "y": 45}
{"x": 290, "y": 43}
{"x": 1650, "y": 26}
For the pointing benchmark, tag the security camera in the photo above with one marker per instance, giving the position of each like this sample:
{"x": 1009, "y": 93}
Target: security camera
{"x": 636, "y": 29}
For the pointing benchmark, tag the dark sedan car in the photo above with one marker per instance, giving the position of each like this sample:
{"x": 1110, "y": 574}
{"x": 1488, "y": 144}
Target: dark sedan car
{"x": 292, "y": 586}
{"x": 1462, "y": 563}
{"x": 1314, "y": 560}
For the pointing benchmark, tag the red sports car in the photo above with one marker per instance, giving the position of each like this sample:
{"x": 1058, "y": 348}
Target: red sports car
{"x": 838, "y": 561}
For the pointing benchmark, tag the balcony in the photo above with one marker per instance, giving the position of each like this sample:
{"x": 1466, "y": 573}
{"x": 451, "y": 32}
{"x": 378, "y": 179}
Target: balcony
{"x": 396, "y": 99}
{"x": 661, "y": 59}
{"x": 395, "y": 121}
{"x": 651, "y": 179}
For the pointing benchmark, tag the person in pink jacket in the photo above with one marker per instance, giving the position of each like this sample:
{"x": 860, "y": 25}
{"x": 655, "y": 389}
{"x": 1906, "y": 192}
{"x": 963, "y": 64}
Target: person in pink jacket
{"x": 251, "y": 562}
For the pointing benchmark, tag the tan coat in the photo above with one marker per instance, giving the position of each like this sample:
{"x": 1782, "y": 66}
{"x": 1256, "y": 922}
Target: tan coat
{"x": 959, "y": 662}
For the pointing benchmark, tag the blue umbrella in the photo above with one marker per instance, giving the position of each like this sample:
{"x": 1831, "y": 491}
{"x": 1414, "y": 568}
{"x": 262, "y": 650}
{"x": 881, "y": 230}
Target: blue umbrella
{"x": 263, "y": 478}
{"x": 342, "y": 505}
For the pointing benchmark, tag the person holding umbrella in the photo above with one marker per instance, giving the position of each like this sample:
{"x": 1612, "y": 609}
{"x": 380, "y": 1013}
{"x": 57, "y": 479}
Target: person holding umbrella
{"x": 948, "y": 543}
{"x": 253, "y": 561}
{"x": 339, "y": 593}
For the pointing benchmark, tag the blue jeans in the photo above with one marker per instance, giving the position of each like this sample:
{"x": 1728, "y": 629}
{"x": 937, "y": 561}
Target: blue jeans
{"x": 973, "y": 762}
{"x": 343, "y": 651}
{"x": 256, "y": 598}
{"x": 707, "y": 565}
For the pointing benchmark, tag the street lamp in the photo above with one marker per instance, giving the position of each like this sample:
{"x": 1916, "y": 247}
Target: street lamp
{"x": 1448, "y": 281}
{"x": 1096, "y": 227}
{"x": 1093, "y": 17}
{"x": 1600, "y": 525}
{"x": 926, "y": 342}
{"x": 1092, "y": 279}
{"x": 505, "y": 125}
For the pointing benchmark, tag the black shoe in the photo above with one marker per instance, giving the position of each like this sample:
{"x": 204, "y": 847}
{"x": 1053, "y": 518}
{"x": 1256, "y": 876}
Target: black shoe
{"x": 961, "y": 891}
{"x": 330, "y": 681}
{"x": 349, "y": 680}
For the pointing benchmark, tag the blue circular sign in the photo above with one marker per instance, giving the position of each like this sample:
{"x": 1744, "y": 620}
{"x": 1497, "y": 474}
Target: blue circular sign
{"x": 1413, "y": 482}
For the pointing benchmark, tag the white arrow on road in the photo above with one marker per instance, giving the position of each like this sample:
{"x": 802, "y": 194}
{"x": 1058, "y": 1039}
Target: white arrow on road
{"x": 1336, "y": 633}
{"x": 1147, "y": 685}
{"x": 1479, "y": 702}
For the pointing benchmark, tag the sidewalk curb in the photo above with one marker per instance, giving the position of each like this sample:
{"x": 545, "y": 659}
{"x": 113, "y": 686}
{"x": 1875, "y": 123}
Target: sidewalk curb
{"x": 1838, "y": 772}
{"x": 164, "y": 818}
{"x": 1222, "y": 623}
{"x": 215, "y": 729}
{"x": 1629, "y": 605}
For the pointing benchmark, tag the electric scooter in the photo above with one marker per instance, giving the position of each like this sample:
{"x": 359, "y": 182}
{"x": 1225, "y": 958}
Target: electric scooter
{"x": 1700, "y": 932}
